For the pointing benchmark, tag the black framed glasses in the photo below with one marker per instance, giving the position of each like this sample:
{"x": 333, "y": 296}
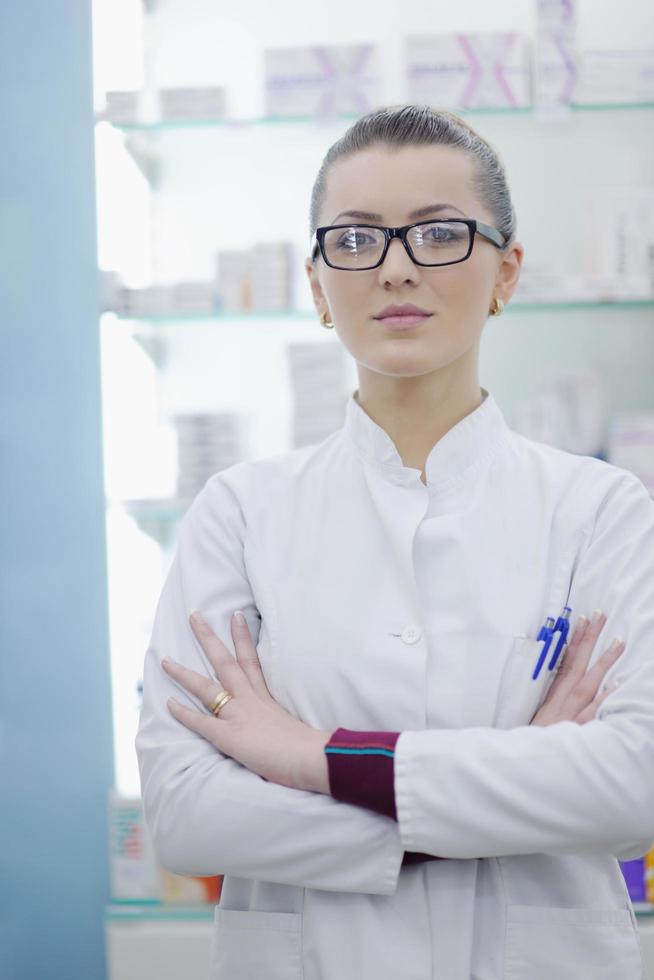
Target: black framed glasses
{"x": 445, "y": 241}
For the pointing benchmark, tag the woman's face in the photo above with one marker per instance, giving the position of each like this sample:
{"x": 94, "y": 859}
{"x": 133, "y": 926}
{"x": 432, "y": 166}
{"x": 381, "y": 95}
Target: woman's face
{"x": 392, "y": 183}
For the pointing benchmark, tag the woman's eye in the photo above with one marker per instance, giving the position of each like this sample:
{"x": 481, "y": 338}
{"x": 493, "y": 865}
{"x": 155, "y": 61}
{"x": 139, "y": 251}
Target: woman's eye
{"x": 350, "y": 242}
{"x": 441, "y": 234}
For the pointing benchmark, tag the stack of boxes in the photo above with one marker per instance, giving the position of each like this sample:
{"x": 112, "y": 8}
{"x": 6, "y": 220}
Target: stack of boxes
{"x": 319, "y": 382}
{"x": 136, "y": 876}
{"x": 257, "y": 279}
{"x": 151, "y": 105}
{"x": 206, "y": 443}
{"x": 321, "y": 80}
{"x": 167, "y": 299}
{"x": 615, "y": 76}
{"x": 122, "y": 107}
{"x": 555, "y": 57}
{"x": 469, "y": 70}
{"x": 233, "y": 285}
{"x": 618, "y": 243}
{"x": 206, "y": 102}
{"x": 271, "y": 264}
{"x": 631, "y": 445}
{"x": 639, "y": 876}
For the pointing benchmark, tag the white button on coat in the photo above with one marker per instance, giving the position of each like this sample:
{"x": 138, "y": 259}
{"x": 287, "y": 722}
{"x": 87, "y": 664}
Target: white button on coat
{"x": 329, "y": 549}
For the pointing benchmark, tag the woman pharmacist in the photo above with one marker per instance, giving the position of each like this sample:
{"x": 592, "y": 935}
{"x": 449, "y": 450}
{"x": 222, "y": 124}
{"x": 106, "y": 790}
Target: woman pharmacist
{"x": 393, "y": 783}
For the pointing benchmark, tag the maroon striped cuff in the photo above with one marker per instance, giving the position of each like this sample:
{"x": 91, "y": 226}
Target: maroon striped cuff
{"x": 361, "y": 771}
{"x": 360, "y": 768}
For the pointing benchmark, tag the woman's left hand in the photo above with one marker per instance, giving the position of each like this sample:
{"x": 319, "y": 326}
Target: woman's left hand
{"x": 252, "y": 727}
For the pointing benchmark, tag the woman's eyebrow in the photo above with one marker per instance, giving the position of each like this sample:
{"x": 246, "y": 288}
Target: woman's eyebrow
{"x": 414, "y": 215}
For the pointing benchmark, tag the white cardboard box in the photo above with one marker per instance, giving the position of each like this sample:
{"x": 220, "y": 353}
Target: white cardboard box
{"x": 487, "y": 68}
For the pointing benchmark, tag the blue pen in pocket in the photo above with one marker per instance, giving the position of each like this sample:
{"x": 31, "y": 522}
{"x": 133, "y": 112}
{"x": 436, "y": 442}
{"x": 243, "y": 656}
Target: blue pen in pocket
{"x": 546, "y": 633}
{"x": 562, "y": 626}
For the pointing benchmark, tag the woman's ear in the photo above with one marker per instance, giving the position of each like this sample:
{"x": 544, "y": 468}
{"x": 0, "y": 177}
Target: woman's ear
{"x": 509, "y": 271}
{"x": 314, "y": 282}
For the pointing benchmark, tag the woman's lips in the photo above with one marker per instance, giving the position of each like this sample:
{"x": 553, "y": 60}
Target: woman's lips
{"x": 404, "y": 322}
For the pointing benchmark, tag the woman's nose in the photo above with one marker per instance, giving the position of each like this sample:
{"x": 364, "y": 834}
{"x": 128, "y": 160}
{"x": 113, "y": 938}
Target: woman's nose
{"x": 397, "y": 263}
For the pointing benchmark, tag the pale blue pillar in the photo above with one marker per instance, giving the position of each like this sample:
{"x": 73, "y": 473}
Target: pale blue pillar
{"x": 56, "y": 763}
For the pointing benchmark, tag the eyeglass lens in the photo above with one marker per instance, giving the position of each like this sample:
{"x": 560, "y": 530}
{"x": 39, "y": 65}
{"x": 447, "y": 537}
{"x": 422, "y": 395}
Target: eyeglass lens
{"x": 433, "y": 242}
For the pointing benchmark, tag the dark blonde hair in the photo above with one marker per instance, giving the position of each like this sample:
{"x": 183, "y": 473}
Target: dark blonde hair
{"x": 419, "y": 125}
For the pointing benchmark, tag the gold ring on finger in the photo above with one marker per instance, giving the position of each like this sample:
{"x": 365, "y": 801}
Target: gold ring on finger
{"x": 220, "y": 701}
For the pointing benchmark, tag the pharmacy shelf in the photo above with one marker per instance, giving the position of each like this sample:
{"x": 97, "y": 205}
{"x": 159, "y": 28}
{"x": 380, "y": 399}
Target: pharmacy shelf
{"x": 148, "y": 910}
{"x": 516, "y": 307}
{"x": 166, "y": 124}
{"x": 157, "y": 911}
{"x": 156, "y": 517}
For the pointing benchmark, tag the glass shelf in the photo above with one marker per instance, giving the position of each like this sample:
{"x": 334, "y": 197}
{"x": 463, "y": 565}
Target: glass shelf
{"x": 643, "y": 909}
{"x": 167, "y": 124}
{"x": 140, "y": 911}
{"x": 135, "y": 912}
{"x": 622, "y": 304}
{"x": 155, "y": 516}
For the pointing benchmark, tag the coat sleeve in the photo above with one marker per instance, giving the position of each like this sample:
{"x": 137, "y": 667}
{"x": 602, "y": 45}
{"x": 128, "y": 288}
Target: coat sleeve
{"x": 206, "y": 813}
{"x": 566, "y": 788}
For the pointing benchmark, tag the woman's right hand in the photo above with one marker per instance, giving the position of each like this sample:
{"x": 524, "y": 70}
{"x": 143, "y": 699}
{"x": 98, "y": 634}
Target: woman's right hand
{"x": 573, "y": 693}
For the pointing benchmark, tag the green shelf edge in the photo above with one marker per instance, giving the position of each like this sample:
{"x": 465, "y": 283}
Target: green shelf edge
{"x": 152, "y": 911}
{"x": 300, "y": 315}
{"x": 139, "y": 911}
{"x": 320, "y": 119}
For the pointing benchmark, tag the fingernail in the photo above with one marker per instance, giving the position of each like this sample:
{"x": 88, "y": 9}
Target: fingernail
{"x": 618, "y": 642}
{"x": 239, "y": 617}
{"x": 581, "y": 622}
{"x": 196, "y": 617}
{"x": 595, "y": 618}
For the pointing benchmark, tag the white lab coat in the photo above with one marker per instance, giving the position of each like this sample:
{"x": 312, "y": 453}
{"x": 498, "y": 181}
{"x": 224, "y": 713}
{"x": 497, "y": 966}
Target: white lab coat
{"x": 379, "y": 603}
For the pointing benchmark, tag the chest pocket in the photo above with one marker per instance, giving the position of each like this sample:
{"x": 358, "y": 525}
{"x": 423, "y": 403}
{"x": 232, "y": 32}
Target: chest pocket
{"x": 520, "y": 696}
{"x": 483, "y": 678}
{"x": 249, "y": 944}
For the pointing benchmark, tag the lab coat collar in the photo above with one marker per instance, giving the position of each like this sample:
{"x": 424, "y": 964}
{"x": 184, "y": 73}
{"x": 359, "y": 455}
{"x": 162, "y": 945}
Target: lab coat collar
{"x": 453, "y": 459}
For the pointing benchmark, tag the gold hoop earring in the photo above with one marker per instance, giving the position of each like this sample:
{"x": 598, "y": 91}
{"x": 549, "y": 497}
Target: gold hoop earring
{"x": 497, "y": 308}
{"x": 326, "y": 322}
